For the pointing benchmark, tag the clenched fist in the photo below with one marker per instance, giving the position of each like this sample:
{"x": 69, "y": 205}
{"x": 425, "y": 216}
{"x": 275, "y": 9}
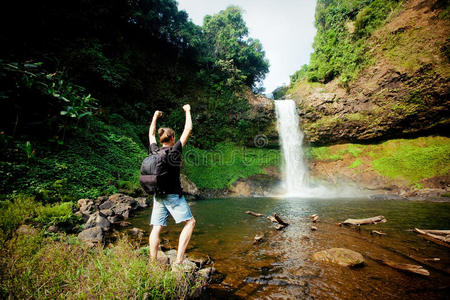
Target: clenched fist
{"x": 158, "y": 114}
{"x": 187, "y": 107}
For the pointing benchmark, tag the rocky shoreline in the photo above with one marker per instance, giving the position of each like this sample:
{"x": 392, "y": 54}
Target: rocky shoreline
{"x": 101, "y": 214}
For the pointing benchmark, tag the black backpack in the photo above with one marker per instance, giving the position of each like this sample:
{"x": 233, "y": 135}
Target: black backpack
{"x": 154, "y": 171}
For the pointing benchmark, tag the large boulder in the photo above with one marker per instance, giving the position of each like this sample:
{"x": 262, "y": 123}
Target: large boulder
{"x": 122, "y": 209}
{"x": 106, "y": 205}
{"x": 91, "y": 235}
{"x": 188, "y": 186}
{"x": 341, "y": 256}
{"x": 97, "y": 220}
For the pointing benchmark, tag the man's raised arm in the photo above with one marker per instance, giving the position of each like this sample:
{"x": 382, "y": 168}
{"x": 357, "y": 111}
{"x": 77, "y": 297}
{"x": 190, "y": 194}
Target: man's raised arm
{"x": 187, "y": 126}
{"x": 152, "y": 129}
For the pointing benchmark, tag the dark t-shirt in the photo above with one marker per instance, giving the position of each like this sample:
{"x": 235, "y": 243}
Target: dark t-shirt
{"x": 173, "y": 185}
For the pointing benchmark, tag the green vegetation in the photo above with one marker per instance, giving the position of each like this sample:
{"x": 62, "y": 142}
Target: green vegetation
{"x": 59, "y": 267}
{"x": 341, "y": 43}
{"x": 101, "y": 159}
{"x": 21, "y": 209}
{"x": 226, "y": 163}
{"x": 322, "y": 153}
{"x": 408, "y": 159}
{"x": 356, "y": 163}
{"x": 413, "y": 159}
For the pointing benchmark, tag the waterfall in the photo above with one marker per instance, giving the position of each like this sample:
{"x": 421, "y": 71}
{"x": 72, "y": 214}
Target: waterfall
{"x": 294, "y": 170}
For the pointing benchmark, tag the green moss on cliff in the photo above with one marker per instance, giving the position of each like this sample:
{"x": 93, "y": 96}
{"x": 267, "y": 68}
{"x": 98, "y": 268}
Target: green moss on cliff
{"x": 413, "y": 160}
{"x": 407, "y": 159}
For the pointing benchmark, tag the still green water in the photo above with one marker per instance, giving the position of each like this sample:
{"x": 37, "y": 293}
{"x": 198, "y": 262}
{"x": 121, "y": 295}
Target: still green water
{"x": 281, "y": 268}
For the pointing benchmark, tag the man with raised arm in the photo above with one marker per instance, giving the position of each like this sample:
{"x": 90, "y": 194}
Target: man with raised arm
{"x": 169, "y": 199}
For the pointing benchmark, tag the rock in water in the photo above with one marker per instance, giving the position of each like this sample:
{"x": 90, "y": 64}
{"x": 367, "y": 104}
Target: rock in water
{"x": 340, "y": 256}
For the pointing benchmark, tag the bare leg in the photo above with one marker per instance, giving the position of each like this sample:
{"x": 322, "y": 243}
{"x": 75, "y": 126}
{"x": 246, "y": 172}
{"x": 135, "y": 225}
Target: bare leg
{"x": 185, "y": 236}
{"x": 154, "y": 241}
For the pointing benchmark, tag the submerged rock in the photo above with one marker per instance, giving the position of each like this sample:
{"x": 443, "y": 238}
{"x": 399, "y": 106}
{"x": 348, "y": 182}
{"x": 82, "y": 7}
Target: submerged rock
{"x": 341, "y": 256}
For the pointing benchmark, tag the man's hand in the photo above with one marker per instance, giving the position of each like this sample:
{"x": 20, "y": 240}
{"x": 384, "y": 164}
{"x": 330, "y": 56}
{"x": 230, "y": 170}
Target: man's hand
{"x": 157, "y": 114}
{"x": 152, "y": 129}
{"x": 187, "y": 107}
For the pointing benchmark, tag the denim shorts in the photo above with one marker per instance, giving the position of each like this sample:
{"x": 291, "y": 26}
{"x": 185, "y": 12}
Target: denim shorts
{"x": 173, "y": 204}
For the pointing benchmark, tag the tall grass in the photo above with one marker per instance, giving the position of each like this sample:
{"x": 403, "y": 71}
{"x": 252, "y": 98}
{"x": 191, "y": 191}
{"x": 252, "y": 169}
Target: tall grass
{"x": 34, "y": 266}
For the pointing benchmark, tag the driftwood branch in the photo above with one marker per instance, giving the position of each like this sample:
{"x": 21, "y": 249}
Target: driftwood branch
{"x": 441, "y": 238}
{"x": 377, "y": 232}
{"x": 277, "y": 219}
{"x": 254, "y": 213}
{"x": 373, "y": 220}
{"x": 415, "y": 269}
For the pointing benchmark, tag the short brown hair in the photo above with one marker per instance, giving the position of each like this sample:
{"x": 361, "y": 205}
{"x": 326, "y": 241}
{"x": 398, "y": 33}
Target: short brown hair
{"x": 165, "y": 134}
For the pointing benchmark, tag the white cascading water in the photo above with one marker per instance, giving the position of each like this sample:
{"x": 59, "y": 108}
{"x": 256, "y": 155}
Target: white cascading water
{"x": 294, "y": 170}
{"x": 296, "y": 181}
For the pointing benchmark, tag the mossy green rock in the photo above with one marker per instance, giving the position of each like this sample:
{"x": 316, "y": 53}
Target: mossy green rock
{"x": 340, "y": 256}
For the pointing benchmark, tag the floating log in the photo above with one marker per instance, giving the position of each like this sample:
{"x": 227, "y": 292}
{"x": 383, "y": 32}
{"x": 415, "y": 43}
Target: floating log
{"x": 276, "y": 219}
{"x": 438, "y": 239}
{"x": 280, "y": 224}
{"x": 373, "y": 220}
{"x": 439, "y": 232}
{"x": 377, "y": 232}
{"x": 314, "y": 215}
{"x": 415, "y": 269}
{"x": 254, "y": 213}
{"x": 315, "y": 218}
{"x": 313, "y": 228}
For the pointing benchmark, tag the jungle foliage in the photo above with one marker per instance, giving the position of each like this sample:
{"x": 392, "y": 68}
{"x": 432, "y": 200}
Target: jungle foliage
{"x": 79, "y": 81}
{"x": 341, "y": 43}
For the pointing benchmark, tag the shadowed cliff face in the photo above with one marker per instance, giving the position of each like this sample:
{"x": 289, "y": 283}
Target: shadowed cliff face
{"x": 403, "y": 92}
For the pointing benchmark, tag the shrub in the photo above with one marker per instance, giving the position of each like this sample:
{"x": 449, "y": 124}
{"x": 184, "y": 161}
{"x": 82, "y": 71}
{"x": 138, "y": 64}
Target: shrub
{"x": 56, "y": 214}
{"x": 15, "y": 212}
